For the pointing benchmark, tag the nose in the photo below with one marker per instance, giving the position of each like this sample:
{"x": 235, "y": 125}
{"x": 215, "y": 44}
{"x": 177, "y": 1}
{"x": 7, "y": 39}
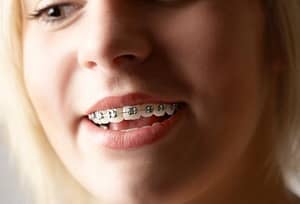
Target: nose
{"x": 113, "y": 36}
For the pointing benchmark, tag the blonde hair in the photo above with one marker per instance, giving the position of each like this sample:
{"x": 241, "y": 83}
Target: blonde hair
{"x": 38, "y": 163}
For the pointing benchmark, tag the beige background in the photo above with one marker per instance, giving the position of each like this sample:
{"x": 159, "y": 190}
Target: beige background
{"x": 10, "y": 193}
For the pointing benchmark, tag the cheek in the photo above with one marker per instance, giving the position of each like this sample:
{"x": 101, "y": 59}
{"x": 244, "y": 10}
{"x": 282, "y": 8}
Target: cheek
{"x": 219, "y": 49}
{"x": 46, "y": 79}
{"x": 39, "y": 78}
{"x": 46, "y": 70}
{"x": 220, "y": 56}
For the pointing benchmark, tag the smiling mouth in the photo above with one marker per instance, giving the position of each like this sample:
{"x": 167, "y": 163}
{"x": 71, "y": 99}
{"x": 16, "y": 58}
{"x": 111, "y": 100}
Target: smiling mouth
{"x": 129, "y": 118}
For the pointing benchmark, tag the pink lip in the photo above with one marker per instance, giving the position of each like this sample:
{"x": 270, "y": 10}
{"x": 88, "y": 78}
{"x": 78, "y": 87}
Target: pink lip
{"x": 120, "y": 140}
{"x": 125, "y": 100}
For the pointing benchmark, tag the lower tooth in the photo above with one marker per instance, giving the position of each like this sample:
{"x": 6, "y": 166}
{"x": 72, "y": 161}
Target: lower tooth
{"x": 146, "y": 126}
{"x": 128, "y": 130}
{"x": 156, "y": 123}
{"x": 104, "y": 127}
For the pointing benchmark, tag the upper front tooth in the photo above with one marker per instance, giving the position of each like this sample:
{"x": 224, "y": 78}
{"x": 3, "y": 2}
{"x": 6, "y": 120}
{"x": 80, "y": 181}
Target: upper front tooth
{"x": 131, "y": 113}
{"x": 159, "y": 109}
{"x": 147, "y": 110}
{"x": 115, "y": 115}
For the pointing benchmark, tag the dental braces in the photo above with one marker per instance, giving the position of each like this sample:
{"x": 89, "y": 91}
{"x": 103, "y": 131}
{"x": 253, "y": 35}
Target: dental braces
{"x": 103, "y": 117}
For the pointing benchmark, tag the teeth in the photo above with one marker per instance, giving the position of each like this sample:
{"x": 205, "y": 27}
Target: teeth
{"x": 131, "y": 113}
{"x": 128, "y": 130}
{"x": 100, "y": 116}
{"x": 171, "y": 109}
{"x": 147, "y": 110}
{"x": 156, "y": 123}
{"x": 117, "y": 115}
{"x": 159, "y": 109}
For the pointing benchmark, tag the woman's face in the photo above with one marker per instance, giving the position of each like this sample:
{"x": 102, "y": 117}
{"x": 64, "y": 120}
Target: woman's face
{"x": 208, "y": 54}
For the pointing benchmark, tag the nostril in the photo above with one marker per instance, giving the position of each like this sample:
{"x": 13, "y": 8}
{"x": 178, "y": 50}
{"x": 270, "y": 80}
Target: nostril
{"x": 130, "y": 57}
{"x": 118, "y": 61}
{"x": 90, "y": 64}
{"x": 124, "y": 59}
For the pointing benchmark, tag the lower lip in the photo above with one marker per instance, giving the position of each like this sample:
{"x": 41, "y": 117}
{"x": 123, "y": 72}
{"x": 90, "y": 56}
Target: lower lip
{"x": 137, "y": 138}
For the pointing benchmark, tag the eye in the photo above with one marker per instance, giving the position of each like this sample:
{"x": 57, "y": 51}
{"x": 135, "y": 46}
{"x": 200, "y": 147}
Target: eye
{"x": 55, "y": 13}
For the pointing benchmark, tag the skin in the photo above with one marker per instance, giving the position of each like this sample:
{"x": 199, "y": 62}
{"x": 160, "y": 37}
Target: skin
{"x": 208, "y": 53}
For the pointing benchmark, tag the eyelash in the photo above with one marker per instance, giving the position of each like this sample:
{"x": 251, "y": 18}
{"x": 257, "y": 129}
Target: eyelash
{"x": 44, "y": 15}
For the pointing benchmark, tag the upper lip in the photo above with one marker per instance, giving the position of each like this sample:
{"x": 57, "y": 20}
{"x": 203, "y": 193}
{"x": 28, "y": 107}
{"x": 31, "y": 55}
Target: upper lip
{"x": 125, "y": 100}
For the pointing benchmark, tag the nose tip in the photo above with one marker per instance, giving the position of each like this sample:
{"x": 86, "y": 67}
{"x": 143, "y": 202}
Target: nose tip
{"x": 114, "y": 53}
{"x": 113, "y": 42}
